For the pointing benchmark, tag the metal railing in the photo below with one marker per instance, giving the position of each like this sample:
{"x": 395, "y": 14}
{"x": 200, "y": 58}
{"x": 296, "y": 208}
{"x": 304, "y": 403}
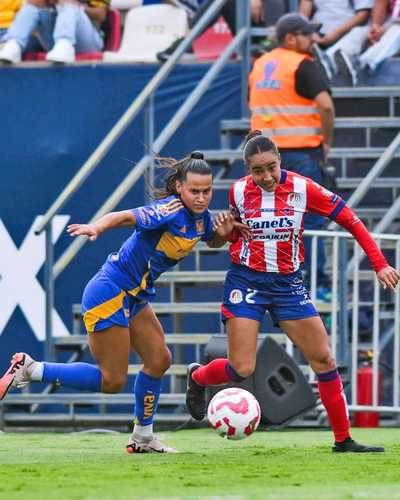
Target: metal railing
{"x": 239, "y": 44}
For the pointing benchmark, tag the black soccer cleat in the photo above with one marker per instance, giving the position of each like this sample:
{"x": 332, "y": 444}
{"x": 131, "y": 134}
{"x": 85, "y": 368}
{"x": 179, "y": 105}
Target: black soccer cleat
{"x": 349, "y": 445}
{"x": 195, "y": 395}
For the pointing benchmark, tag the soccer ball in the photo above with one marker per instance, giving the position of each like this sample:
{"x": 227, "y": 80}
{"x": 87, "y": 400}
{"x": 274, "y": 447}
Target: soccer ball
{"x": 234, "y": 413}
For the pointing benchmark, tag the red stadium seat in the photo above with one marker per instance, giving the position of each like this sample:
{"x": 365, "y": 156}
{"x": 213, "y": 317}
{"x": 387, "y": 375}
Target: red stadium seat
{"x": 212, "y": 42}
{"x": 113, "y": 40}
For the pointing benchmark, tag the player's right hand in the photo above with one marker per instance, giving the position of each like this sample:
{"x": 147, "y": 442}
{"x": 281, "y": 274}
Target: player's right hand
{"x": 89, "y": 230}
{"x": 388, "y": 277}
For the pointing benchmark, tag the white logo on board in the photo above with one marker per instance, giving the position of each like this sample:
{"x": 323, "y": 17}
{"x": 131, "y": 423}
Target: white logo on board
{"x": 18, "y": 283}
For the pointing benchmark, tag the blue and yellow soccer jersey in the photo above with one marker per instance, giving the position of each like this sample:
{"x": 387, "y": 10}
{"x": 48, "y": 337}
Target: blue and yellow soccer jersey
{"x": 165, "y": 233}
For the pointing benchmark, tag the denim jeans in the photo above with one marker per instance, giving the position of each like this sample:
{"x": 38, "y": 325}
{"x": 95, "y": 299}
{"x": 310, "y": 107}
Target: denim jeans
{"x": 308, "y": 164}
{"x": 3, "y": 33}
{"x": 67, "y": 21}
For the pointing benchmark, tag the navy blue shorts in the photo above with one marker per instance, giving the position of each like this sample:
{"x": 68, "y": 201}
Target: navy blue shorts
{"x": 105, "y": 304}
{"x": 249, "y": 294}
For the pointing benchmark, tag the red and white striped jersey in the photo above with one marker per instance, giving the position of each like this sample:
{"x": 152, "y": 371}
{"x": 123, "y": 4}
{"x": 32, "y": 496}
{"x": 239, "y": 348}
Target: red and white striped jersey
{"x": 276, "y": 219}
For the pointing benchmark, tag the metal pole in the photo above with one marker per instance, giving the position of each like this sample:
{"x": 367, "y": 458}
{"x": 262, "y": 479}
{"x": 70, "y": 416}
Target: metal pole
{"x": 354, "y": 332}
{"x": 342, "y": 354}
{"x": 149, "y": 140}
{"x": 128, "y": 116}
{"x": 158, "y": 144}
{"x": 49, "y": 287}
{"x": 243, "y": 21}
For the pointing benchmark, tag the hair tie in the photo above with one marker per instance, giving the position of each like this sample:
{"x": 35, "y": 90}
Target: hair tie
{"x": 197, "y": 155}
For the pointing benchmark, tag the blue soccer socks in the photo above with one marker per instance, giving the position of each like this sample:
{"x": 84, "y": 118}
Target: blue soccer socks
{"x": 147, "y": 391}
{"x": 82, "y": 376}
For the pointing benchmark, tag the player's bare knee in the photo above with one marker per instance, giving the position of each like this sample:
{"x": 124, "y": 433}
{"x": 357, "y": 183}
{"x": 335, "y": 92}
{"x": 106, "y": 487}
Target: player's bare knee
{"x": 113, "y": 385}
{"x": 244, "y": 369}
{"x": 165, "y": 360}
{"x": 159, "y": 363}
{"x": 325, "y": 362}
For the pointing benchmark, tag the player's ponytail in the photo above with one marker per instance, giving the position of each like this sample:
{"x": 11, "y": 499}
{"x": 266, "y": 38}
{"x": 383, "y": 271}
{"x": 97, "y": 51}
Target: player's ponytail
{"x": 255, "y": 142}
{"x": 179, "y": 169}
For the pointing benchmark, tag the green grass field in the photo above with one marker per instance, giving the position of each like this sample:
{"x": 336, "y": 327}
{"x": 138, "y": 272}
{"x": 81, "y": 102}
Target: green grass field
{"x": 286, "y": 465}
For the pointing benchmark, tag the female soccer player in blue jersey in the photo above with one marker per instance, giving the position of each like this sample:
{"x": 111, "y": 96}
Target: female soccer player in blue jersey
{"x": 265, "y": 275}
{"x": 116, "y": 301}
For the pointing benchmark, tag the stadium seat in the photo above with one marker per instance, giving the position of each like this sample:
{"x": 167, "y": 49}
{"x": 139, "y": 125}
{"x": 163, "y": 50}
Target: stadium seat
{"x": 212, "y": 42}
{"x": 125, "y": 4}
{"x": 149, "y": 30}
{"x": 112, "y": 27}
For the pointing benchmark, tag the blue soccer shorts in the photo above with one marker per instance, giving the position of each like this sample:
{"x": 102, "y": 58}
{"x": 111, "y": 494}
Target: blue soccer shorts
{"x": 249, "y": 294}
{"x": 105, "y": 304}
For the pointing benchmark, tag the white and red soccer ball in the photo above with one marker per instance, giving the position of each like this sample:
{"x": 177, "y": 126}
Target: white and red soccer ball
{"x": 234, "y": 413}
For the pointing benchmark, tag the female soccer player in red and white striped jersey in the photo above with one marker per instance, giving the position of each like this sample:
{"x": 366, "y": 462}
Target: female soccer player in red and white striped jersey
{"x": 265, "y": 275}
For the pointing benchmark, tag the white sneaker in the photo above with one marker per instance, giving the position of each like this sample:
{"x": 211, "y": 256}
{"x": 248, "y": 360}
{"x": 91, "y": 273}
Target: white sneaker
{"x": 17, "y": 375}
{"x": 152, "y": 445}
{"x": 62, "y": 52}
{"x": 347, "y": 67}
{"x": 11, "y": 52}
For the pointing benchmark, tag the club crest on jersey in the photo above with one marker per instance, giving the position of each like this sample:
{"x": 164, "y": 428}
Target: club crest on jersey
{"x": 199, "y": 226}
{"x": 163, "y": 210}
{"x": 294, "y": 199}
{"x": 236, "y": 296}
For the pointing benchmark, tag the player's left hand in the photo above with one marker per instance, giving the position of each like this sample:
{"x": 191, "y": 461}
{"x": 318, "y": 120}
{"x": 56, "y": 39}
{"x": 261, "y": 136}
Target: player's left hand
{"x": 225, "y": 223}
{"x": 388, "y": 277}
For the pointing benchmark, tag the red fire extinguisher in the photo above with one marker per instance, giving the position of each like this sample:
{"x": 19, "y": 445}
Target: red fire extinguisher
{"x": 364, "y": 393}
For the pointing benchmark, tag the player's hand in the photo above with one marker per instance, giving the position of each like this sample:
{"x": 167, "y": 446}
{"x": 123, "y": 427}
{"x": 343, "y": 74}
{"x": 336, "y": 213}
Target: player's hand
{"x": 90, "y": 230}
{"x": 224, "y": 224}
{"x": 242, "y": 229}
{"x": 388, "y": 278}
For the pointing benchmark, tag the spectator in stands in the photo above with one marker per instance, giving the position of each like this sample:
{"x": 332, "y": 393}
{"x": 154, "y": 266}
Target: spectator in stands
{"x": 383, "y": 37}
{"x": 344, "y": 28}
{"x": 66, "y": 27}
{"x": 260, "y": 13}
{"x": 116, "y": 301}
{"x": 290, "y": 102}
{"x": 8, "y": 10}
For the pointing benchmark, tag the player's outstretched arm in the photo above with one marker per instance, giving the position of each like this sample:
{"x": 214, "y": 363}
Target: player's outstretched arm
{"x": 108, "y": 221}
{"x": 388, "y": 277}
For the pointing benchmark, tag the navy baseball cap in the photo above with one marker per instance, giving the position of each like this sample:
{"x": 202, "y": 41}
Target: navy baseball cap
{"x": 295, "y": 23}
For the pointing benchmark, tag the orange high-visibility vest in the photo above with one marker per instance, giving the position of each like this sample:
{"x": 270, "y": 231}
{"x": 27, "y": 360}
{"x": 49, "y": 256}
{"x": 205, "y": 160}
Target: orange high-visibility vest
{"x": 289, "y": 119}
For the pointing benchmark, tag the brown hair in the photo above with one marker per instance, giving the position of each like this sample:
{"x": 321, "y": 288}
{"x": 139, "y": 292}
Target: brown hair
{"x": 255, "y": 142}
{"x": 194, "y": 163}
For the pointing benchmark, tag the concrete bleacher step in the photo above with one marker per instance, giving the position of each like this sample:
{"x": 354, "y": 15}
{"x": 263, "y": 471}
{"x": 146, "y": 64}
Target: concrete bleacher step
{"x": 229, "y": 155}
{"x": 170, "y": 338}
{"x": 242, "y": 126}
{"x": 366, "y": 92}
{"x": 342, "y": 182}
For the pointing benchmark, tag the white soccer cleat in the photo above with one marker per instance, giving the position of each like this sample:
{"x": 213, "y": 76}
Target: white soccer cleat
{"x": 154, "y": 445}
{"x": 63, "y": 52}
{"x": 11, "y": 52}
{"x": 17, "y": 375}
